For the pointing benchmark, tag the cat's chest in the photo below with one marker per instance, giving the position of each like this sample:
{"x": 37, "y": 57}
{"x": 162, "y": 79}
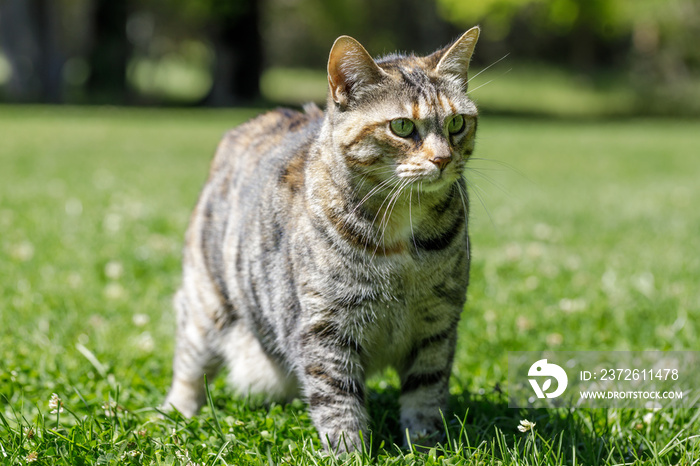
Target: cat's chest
{"x": 396, "y": 320}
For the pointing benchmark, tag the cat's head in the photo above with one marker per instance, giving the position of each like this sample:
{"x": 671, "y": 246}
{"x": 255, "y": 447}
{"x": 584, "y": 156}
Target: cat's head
{"x": 403, "y": 118}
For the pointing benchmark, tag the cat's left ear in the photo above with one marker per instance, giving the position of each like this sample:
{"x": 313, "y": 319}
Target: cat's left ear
{"x": 454, "y": 60}
{"x": 350, "y": 67}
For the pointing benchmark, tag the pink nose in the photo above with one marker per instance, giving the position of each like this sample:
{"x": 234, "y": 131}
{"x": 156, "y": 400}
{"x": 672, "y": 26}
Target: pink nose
{"x": 441, "y": 162}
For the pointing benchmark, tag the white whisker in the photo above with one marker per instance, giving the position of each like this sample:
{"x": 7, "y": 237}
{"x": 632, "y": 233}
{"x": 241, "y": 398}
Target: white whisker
{"x": 488, "y": 82}
{"x": 477, "y": 191}
{"x": 492, "y": 64}
{"x": 389, "y": 196}
{"x": 493, "y": 182}
{"x": 372, "y": 192}
{"x": 386, "y": 218}
{"x": 463, "y": 198}
{"x": 410, "y": 217}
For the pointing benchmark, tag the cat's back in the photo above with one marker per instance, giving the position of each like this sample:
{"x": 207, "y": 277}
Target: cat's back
{"x": 250, "y": 162}
{"x": 271, "y": 138}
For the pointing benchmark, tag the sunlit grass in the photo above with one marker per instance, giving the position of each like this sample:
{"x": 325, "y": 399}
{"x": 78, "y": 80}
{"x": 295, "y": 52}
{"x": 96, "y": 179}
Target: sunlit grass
{"x": 585, "y": 236}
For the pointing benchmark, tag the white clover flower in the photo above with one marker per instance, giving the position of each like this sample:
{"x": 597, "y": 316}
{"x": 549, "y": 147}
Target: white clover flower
{"x": 145, "y": 342}
{"x": 55, "y": 404}
{"x": 23, "y": 251}
{"x": 32, "y": 457}
{"x": 114, "y": 291}
{"x": 140, "y": 320}
{"x": 114, "y": 270}
{"x": 110, "y": 408}
{"x": 526, "y": 425}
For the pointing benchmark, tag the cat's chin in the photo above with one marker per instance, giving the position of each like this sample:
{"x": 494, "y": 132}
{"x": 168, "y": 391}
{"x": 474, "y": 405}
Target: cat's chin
{"x": 436, "y": 185}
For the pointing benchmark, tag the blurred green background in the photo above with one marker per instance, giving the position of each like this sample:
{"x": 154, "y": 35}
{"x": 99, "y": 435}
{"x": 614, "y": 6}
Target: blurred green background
{"x": 562, "y": 57}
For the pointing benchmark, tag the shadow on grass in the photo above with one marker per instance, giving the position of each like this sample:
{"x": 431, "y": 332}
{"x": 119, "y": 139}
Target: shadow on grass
{"x": 484, "y": 427}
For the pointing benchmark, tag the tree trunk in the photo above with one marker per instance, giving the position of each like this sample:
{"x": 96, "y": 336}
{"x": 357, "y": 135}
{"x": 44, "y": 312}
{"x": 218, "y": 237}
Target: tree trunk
{"x": 108, "y": 59}
{"x": 238, "y": 61}
{"x": 30, "y": 34}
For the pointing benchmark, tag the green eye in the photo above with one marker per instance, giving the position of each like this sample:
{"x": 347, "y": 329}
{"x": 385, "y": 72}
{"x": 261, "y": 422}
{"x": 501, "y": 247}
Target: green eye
{"x": 402, "y": 127}
{"x": 456, "y": 124}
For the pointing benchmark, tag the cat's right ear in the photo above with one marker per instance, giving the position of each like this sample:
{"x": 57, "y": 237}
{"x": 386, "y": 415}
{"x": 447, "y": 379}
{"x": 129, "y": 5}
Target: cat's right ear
{"x": 454, "y": 60}
{"x": 350, "y": 67}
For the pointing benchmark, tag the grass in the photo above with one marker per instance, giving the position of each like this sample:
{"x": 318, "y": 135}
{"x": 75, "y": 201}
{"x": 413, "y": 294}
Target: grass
{"x": 585, "y": 236}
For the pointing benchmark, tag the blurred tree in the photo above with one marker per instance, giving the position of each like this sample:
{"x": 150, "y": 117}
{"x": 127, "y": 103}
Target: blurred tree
{"x": 231, "y": 29}
{"x": 300, "y": 33}
{"x": 100, "y": 49}
{"x": 109, "y": 52}
{"x": 238, "y": 53}
{"x": 584, "y": 30}
{"x": 572, "y": 29}
{"x": 30, "y": 36}
{"x": 655, "y": 41}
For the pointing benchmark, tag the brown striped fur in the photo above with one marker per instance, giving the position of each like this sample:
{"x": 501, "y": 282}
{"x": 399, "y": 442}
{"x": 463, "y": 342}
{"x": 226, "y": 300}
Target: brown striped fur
{"x": 325, "y": 246}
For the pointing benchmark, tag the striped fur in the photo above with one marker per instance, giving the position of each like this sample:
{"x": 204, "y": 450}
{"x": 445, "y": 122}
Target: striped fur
{"x": 324, "y": 247}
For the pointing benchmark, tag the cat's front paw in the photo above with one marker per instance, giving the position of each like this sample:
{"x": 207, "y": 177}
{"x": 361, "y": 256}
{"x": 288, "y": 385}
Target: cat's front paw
{"x": 341, "y": 442}
{"x": 426, "y": 434}
{"x": 422, "y": 439}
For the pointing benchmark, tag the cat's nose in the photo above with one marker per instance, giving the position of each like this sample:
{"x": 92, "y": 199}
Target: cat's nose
{"x": 441, "y": 162}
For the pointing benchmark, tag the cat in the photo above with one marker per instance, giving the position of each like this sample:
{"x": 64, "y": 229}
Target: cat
{"x": 326, "y": 246}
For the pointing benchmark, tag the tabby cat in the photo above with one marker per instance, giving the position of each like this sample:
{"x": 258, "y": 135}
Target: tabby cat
{"x": 326, "y": 246}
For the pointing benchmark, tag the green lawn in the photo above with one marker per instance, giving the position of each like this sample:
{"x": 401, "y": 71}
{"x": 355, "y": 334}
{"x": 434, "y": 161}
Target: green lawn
{"x": 585, "y": 237}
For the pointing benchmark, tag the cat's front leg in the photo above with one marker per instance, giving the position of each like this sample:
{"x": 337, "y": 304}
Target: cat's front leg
{"x": 334, "y": 386}
{"x": 425, "y": 387}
